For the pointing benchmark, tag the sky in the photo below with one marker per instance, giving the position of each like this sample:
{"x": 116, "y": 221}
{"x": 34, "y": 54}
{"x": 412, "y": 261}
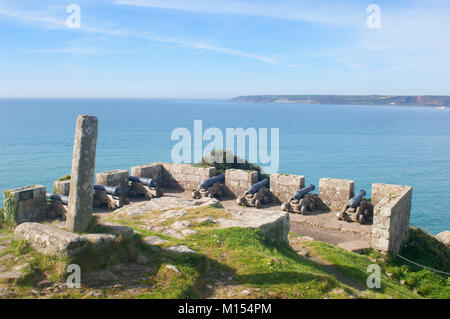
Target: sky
{"x": 222, "y": 48}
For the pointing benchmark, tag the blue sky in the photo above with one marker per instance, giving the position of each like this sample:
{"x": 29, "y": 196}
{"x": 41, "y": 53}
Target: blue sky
{"x": 222, "y": 48}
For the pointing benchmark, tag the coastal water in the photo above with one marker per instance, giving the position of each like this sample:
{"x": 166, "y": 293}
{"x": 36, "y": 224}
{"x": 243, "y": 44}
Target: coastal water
{"x": 398, "y": 145}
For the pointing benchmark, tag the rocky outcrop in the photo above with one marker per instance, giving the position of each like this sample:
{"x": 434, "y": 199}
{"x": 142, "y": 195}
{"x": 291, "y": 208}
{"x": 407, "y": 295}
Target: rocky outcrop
{"x": 273, "y": 224}
{"x": 124, "y": 231}
{"x": 444, "y": 237}
{"x": 50, "y": 240}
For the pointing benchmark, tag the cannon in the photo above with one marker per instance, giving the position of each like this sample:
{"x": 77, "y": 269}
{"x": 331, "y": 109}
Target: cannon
{"x": 211, "y": 187}
{"x": 357, "y": 209}
{"x": 111, "y": 196}
{"x": 63, "y": 199}
{"x": 57, "y": 204}
{"x": 256, "y": 195}
{"x": 143, "y": 186}
{"x": 301, "y": 201}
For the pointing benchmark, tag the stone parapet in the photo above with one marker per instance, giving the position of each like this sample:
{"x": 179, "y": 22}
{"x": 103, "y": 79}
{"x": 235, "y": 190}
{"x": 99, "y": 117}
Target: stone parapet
{"x": 237, "y": 181}
{"x": 283, "y": 186}
{"x": 335, "y": 193}
{"x": 27, "y": 204}
{"x": 392, "y": 206}
{"x": 114, "y": 178}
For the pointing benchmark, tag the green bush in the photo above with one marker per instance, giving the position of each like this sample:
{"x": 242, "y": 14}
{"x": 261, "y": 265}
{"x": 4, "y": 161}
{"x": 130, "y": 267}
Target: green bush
{"x": 64, "y": 178}
{"x": 221, "y": 166}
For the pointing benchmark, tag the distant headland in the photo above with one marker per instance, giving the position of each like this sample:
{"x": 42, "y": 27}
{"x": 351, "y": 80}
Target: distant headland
{"x": 413, "y": 100}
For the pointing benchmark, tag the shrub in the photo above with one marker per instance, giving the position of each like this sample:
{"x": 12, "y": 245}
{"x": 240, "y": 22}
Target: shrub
{"x": 221, "y": 166}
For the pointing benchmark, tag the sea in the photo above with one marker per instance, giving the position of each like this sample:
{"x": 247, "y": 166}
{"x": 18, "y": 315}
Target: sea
{"x": 367, "y": 144}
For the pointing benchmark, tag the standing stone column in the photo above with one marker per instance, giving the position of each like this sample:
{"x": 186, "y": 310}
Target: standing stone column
{"x": 81, "y": 193}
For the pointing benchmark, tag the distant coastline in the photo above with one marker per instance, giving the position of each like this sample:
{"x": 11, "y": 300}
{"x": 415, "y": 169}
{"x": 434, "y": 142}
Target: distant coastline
{"x": 412, "y": 100}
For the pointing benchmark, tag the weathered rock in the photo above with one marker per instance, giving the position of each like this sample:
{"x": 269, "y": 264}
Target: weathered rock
{"x": 142, "y": 260}
{"x": 180, "y": 249}
{"x": 154, "y": 240}
{"x": 187, "y": 232}
{"x": 99, "y": 277}
{"x": 80, "y": 206}
{"x": 10, "y": 276}
{"x": 273, "y": 224}
{"x": 172, "y": 233}
{"x": 124, "y": 231}
{"x": 100, "y": 240}
{"x": 50, "y": 240}
{"x": 181, "y": 224}
{"x": 172, "y": 267}
{"x": 444, "y": 237}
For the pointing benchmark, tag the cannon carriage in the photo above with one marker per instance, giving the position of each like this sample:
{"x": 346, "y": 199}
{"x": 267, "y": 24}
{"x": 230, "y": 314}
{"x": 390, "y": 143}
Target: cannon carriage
{"x": 110, "y": 196}
{"x": 58, "y": 203}
{"x": 357, "y": 209}
{"x": 256, "y": 195}
{"x": 301, "y": 201}
{"x": 211, "y": 187}
{"x": 143, "y": 186}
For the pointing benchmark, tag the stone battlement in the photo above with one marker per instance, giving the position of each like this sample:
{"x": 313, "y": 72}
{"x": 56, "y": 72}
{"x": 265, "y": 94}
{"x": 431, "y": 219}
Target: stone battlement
{"x": 392, "y": 203}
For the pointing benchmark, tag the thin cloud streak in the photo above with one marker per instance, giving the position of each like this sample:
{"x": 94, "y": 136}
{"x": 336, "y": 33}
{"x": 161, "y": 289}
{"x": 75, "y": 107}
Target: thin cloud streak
{"x": 209, "y": 47}
{"x": 43, "y": 20}
{"x": 293, "y": 10}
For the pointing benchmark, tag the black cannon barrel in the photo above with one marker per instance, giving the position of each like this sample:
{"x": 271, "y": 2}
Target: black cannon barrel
{"x": 64, "y": 199}
{"x": 355, "y": 200}
{"x": 211, "y": 181}
{"x": 303, "y": 191}
{"x": 256, "y": 187}
{"x": 143, "y": 180}
{"x": 111, "y": 190}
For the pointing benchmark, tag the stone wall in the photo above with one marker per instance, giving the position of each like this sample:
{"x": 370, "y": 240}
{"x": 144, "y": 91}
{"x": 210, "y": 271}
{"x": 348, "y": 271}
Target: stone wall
{"x": 114, "y": 178}
{"x": 153, "y": 171}
{"x": 62, "y": 187}
{"x": 185, "y": 176}
{"x": 283, "y": 186}
{"x": 392, "y": 206}
{"x": 174, "y": 176}
{"x": 335, "y": 193}
{"x": 237, "y": 181}
{"x": 30, "y": 204}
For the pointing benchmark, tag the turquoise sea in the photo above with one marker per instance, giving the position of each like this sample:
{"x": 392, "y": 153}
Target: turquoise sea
{"x": 399, "y": 145}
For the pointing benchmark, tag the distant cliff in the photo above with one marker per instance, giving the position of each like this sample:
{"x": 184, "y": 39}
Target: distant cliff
{"x": 426, "y": 100}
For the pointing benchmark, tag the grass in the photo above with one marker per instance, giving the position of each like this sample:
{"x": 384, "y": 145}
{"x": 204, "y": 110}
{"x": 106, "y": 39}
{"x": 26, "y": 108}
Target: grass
{"x": 228, "y": 261}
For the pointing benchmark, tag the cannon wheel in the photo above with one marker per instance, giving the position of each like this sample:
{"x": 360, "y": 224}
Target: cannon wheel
{"x": 266, "y": 199}
{"x": 361, "y": 219}
{"x": 303, "y": 210}
{"x": 311, "y": 206}
{"x": 257, "y": 203}
{"x": 132, "y": 193}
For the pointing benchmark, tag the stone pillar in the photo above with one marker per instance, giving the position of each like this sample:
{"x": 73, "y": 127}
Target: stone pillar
{"x": 79, "y": 214}
{"x": 283, "y": 186}
{"x": 335, "y": 193}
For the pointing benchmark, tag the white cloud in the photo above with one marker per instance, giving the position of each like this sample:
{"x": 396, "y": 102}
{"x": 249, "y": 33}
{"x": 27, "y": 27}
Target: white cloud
{"x": 210, "y": 47}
